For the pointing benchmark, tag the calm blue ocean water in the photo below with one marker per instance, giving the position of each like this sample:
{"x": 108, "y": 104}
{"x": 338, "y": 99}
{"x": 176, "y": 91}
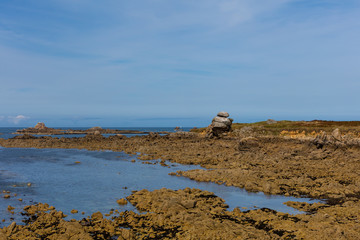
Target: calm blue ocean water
{"x": 99, "y": 180}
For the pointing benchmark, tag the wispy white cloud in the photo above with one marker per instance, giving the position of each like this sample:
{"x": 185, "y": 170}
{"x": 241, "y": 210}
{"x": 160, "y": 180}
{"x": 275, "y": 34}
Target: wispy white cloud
{"x": 17, "y": 119}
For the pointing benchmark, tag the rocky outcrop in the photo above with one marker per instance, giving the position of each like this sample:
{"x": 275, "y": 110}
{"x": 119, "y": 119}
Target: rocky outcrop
{"x": 40, "y": 129}
{"x": 323, "y": 139}
{"x": 271, "y": 121}
{"x": 40, "y": 126}
{"x": 274, "y": 165}
{"x": 220, "y": 124}
{"x": 183, "y": 135}
{"x": 336, "y": 138}
{"x": 95, "y": 129}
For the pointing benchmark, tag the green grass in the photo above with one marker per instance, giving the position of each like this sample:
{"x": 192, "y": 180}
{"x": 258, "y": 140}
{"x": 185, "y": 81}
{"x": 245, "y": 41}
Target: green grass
{"x": 307, "y": 126}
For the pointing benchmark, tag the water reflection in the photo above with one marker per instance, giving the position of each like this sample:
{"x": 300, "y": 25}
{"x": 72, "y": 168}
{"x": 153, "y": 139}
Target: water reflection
{"x": 92, "y": 181}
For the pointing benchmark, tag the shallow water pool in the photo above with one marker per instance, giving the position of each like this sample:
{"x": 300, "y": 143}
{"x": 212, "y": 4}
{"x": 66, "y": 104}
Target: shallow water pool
{"x": 91, "y": 181}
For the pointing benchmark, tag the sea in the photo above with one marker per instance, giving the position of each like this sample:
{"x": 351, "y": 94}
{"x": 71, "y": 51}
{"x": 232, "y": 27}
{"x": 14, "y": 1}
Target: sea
{"x": 92, "y": 181}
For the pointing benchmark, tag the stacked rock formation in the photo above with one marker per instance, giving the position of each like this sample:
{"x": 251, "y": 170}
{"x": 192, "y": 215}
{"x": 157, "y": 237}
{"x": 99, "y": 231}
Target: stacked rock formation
{"x": 220, "y": 124}
{"x": 40, "y": 126}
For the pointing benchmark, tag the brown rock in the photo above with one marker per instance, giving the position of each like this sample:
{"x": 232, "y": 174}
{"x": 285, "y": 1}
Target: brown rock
{"x": 97, "y": 216}
{"x": 74, "y": 211}
{"x": 10, "y": 208}
{"x": 245, "y": 144}
{"x": 122, "y": 201}
{"x": 40, "y": 126}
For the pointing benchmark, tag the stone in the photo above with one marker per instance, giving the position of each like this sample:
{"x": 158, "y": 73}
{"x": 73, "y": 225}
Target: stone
{"x": 336, "y": 134}
{"x": 245, "y": 131}
{"x": 97, "y": 216}
{"x": 271, "y": 121}
{"x": 122, "y": 201}
{"x": 95, "y": 129}
{"x": 247, "y": 143}
{"x": 224, "y": 120}
{"x": 223, "y": 114}
{"x": 188, "y": 203}
{"x": 10, "y": 208}
{"x": 335, "y": 138}
{"x": 320, "y": 140}
{"x": 219, "y": 126}
{"x": 74, "y": 211}
{"x": 40, "y": 125}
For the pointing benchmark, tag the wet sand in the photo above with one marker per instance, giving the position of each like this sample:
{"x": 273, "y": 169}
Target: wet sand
{"x": 272, "y": 164}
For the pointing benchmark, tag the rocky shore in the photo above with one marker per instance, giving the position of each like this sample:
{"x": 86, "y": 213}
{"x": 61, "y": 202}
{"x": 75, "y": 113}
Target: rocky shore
{"x": 323, "y": 166}
{"x": 41, "y": 129}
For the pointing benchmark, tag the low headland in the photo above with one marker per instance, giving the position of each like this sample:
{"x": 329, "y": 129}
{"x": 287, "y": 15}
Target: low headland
{"x": 41, "y": 129}
{"x": 316, "y": 159}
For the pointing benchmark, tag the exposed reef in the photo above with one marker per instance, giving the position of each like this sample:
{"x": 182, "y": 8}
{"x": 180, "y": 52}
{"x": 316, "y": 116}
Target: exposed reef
{"x": 189, "y": 214}
{"x": 274, "y": 165}
{"x": 41, "y": 129}
{"x": 302, "y": 159}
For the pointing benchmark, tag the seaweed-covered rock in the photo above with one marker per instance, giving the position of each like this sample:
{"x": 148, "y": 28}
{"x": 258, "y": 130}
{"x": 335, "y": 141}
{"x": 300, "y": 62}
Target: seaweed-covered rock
{"x": 248, "y": 143}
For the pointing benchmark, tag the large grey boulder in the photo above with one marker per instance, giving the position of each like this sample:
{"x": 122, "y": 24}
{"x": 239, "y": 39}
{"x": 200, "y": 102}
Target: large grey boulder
{"x": 222, "y": 120}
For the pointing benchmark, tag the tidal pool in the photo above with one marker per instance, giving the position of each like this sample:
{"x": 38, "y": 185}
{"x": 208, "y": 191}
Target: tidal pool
{"x": 91, "y": 181}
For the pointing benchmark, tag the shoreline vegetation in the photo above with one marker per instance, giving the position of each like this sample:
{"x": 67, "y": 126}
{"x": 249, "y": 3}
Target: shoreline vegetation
{"x": 316, "y": 159}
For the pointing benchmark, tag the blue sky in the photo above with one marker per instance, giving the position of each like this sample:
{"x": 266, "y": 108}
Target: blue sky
{"x": 177, "y": 63}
